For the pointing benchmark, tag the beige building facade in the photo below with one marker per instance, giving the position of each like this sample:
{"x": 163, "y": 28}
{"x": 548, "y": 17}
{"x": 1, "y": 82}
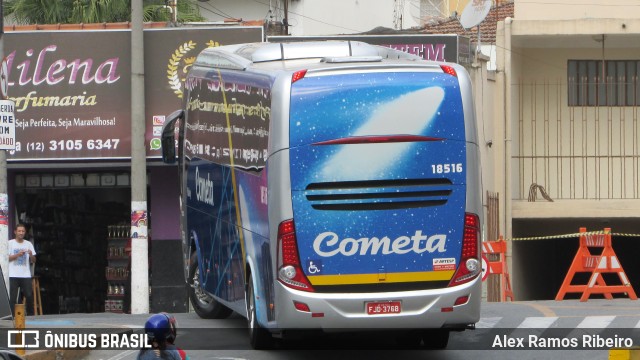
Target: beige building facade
{"x": 565, "y": 134}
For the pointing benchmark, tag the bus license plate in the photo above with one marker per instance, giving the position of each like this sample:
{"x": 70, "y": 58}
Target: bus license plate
{"x": 386, "y": 307}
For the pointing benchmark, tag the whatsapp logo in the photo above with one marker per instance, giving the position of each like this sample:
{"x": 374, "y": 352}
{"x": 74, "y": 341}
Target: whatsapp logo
{"x": 155, "y": 144}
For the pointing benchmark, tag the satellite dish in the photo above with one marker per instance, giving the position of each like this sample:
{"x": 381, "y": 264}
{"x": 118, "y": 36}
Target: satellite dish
{"x": 474, "y": 13}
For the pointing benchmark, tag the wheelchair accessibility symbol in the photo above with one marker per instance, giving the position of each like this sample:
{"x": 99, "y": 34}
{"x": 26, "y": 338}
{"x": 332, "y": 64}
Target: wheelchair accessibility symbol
{"x": 314, "y": 266}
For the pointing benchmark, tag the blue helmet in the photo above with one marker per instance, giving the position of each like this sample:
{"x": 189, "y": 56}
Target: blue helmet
{"x": 173, "y": 326}
{"x": 158, "y": 328}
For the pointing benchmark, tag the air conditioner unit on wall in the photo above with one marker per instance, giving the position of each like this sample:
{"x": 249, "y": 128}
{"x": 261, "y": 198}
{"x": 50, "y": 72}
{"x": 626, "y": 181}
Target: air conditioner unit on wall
{"x": 122, "y": 179}
{"x": 47, "y": 180}
{"x": 93, "y": 180}
{"x": 77, "y": 180}
{"x": 61, "y": 180}
{"x": 108, "y": 180}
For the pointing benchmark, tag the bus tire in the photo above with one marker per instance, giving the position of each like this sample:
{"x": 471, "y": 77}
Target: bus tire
{"x": 259, "y": 338}
{"x": 435, "y": 338}
{"x": 204, "y": 305}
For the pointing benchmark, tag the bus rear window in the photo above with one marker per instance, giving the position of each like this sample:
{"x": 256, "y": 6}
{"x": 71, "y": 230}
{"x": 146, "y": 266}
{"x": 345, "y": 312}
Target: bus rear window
{"x": 423, "y": 104}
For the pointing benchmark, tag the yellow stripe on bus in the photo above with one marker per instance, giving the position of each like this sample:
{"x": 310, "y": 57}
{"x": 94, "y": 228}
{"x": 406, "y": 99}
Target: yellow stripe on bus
{"x": 232, "y": 169}
{"x": 380, "y": 278}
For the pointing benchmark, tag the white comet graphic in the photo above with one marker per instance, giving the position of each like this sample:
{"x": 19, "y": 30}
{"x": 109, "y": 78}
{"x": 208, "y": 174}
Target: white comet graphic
{"x": 409, "y": 114}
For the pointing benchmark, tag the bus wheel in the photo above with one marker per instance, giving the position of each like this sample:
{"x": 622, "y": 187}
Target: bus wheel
{"x": 435, "y": 339}
{"x": 204, "y": 305}
{"x": 259, "y": 337}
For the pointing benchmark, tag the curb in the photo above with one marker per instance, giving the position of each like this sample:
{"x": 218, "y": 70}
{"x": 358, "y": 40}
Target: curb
{"x": 625, "y": 354}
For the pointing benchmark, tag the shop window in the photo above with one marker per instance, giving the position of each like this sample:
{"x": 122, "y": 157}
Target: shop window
{"x": 73, "y": 180}
{"x": 603, "y": 83}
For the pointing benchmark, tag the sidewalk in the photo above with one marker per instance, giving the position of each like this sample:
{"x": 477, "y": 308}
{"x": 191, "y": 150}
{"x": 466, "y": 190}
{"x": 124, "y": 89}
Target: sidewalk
{"x": 119, "y": 322}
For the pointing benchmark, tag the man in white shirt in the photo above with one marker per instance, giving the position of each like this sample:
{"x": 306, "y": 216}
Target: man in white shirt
{"x": 21, "y": 255}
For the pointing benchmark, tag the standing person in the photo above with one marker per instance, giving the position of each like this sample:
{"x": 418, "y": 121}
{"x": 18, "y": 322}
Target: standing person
{"x": 158, "y": 330}
{"x": 21, "y": 255}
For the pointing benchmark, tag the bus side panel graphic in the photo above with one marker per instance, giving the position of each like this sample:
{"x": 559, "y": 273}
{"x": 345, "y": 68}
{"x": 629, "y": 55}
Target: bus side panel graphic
{"x": 213, "y": 222}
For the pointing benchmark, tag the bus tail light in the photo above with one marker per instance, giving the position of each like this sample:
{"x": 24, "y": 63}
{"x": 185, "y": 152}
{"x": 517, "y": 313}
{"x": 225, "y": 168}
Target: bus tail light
{"x": 289, "y": 270}
{"x": 449, "y": 70}
{"x": 469, "y": 267}
{"x": 298, "y": 75}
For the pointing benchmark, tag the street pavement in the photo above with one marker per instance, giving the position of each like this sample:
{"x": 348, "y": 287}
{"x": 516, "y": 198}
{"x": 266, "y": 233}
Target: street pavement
{"x": 622, "y": 312}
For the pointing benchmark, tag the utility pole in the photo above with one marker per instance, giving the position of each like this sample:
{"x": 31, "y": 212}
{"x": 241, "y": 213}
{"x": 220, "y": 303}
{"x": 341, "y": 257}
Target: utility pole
{"x": 285, "y": 21}
{"x": 139, "y": 217}
{"x": 173, "y": 6}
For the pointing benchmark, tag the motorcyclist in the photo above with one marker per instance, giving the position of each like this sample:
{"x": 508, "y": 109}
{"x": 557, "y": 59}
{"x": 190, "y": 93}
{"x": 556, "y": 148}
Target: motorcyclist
{"x": 159, "y": 329}
{"x": 172, "y": 337}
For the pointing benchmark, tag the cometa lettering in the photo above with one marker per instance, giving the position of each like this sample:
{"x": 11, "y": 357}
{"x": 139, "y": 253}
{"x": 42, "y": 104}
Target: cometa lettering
{"x": 329, "y": 244}
{"x": 204, "y": 188}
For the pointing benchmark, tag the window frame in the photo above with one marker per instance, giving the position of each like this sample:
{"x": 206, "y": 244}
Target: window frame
{"x": 586, "y": 86}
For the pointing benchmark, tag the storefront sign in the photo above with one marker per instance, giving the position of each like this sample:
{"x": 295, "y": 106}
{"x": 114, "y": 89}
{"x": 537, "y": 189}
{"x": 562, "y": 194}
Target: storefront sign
{"x": 72, "y": 89}
{"x": 7, "y": 125}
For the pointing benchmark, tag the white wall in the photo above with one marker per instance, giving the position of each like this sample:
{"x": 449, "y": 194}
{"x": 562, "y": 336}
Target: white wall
{"x": 575, "y": 9}
{"x": 218, "y": 10}
{"x": 311, "y": 17}
{"x": 339, "y": 16}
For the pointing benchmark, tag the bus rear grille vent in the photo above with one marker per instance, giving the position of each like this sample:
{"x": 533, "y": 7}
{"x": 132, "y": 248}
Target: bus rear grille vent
{"x": 378, "y": 194}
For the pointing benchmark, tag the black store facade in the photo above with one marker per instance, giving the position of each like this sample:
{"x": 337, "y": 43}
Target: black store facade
{"x": 69, "y": 178}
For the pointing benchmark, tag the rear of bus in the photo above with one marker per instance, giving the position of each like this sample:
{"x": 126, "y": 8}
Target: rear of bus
{"x": 385, "y": 200}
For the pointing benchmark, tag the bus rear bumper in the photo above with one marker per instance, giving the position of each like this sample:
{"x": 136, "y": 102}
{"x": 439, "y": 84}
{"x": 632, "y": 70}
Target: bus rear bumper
{"x": 421, "y": 309}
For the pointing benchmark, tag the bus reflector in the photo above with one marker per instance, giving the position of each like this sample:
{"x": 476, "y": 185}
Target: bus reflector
{"x": 461, "y": 300}
{"x": 301, "y": 306}
{"x": 289, "y": 270}
{"x": 469, "y": 267}
{"x": 298, "y": 75}
{"x": 449, "y": 70}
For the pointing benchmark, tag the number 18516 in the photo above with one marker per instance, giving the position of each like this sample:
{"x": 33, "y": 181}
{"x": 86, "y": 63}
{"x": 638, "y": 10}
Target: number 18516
{"x": 446, "y": 168}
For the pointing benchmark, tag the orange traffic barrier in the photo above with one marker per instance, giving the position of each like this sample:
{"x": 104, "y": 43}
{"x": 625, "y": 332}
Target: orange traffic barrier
{"x": 499, "y": 267}
{"x": 605, "y": 262}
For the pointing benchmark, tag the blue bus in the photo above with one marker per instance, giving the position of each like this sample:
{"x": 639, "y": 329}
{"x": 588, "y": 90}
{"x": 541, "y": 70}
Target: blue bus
{"x": 330, "y": 186}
